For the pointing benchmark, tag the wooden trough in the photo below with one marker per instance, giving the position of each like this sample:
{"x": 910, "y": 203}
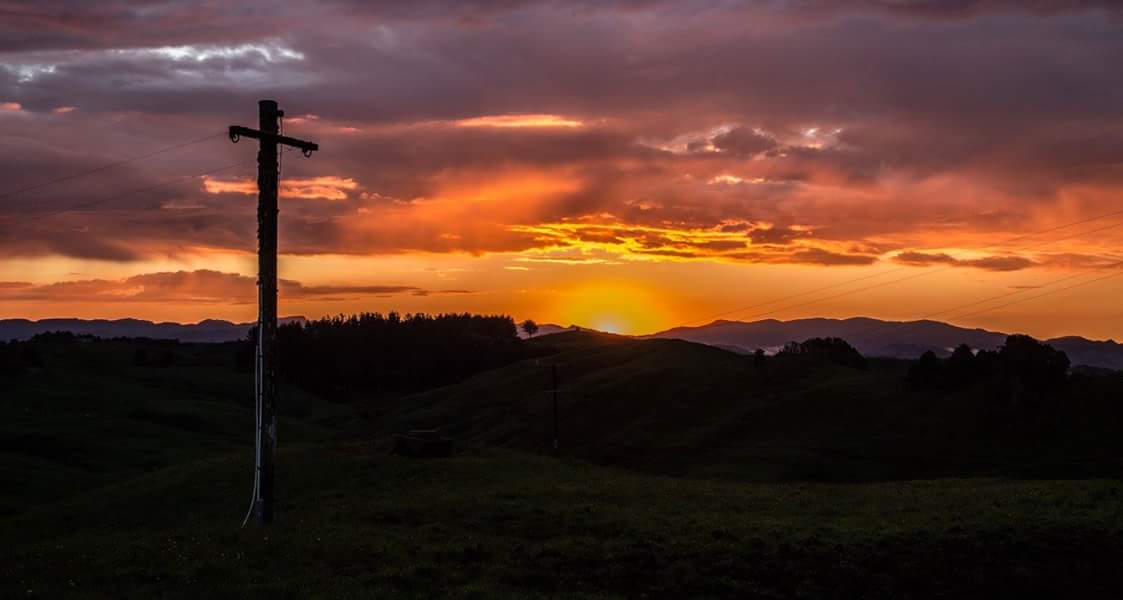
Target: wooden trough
{"x": 422, "y": 443}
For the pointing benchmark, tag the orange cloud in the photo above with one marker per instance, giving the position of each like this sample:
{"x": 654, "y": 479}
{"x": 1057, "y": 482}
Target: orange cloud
{"x": 464, "y": 213}
{"x": 722, "y": 243}
{"x": 328, "y": 187}
{"x": 989, "y": 263}
{"x": 529, "y": 120}
{"x": 202, "y": 286}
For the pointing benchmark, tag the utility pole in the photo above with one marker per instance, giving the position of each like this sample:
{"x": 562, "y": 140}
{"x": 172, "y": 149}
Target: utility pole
{"x": 555, "y": 369}
{"x": 265, "y": 370}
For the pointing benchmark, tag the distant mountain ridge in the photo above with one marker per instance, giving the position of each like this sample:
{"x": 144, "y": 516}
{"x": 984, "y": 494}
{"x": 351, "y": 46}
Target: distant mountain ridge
{"x": 209, "y": 330}
{"x": 874, "y": 337}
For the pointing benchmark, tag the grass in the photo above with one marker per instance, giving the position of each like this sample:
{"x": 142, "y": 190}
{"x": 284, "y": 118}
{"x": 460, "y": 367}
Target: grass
{"x": 91, "y": 417}
{"x": 357, "y": 522}
{"x": 127, "y": 481}
{"x": 673, "y": 407}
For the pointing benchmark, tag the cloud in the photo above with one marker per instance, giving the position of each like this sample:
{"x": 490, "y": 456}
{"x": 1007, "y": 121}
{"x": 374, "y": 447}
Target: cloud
{"x": 327, "y": 187}
{"x": 519, "y": 121}
{"x": 988, "y": 263}
{"x": 200, "y": 286}
{"x": 819, "y": 256}
{"x": 440, "y": 292}
{"x": 856, "y": 120}
{"x": 972, "y": 8}
{"x": 775, "y": 235}
{"x": 744, "y": 142}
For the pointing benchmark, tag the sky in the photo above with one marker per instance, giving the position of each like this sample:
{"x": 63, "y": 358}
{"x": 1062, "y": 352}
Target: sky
{"x": 630, "y": 166}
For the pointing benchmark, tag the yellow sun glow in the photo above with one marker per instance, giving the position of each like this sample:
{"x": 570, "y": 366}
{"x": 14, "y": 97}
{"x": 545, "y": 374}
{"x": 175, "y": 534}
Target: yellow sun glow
{"x": 612, "y": 308}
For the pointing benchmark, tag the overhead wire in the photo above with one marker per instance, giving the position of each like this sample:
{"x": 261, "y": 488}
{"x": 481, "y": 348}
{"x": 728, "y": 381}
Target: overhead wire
{"x": 1050, "y": 293}
{"x": 131, "y": 192}
{"x": 258, "y": 353}
{"x": 917, "y": 322}
{"x": 914, "y": 276}
{"x": 105, "y": 167}
{"x": 899, "y": 269}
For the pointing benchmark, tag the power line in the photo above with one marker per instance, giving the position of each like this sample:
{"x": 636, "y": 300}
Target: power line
{"x": 899, "y": 269}
{"x": 1020, "y": 300}
{"x": 922, "y": 274}
{"x": 111, "y": 165}
{"x": 900, "y": 279}
{"x": 1015, "y": 292}
{"x": 124, "y": 194}
{"x": 917, "y": 322}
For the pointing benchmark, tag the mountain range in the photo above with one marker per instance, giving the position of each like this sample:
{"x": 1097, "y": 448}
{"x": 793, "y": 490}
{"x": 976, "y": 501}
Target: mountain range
{"x": 874, "y": 337}
{"x": 208, "y": 331}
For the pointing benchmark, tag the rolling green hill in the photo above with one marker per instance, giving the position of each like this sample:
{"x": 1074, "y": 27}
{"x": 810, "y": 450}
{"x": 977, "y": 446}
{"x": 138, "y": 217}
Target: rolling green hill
{"x": 92, "y": 415}
{"x": 676, "y": 407}
{"x": 126, "y": 474}
{"x": 355, "y": 522}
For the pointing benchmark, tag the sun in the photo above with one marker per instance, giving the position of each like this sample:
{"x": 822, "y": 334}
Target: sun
{"x": 612, "y": 308}
{"x": 608, "y": 325}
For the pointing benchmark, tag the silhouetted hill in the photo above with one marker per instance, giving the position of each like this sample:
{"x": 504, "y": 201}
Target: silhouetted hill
{"x": 874, "y": 337}
{"x": 210, "y": 330}
{"x": 550, "y": 329}
{"x": 1105, "y": 354}
{"x": 682, "y": 408}
{"x": 127, "y": 478}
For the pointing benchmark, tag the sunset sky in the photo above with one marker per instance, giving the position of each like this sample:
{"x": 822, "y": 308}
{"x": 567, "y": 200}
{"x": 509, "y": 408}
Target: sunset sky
{"x": 629, "y": 166}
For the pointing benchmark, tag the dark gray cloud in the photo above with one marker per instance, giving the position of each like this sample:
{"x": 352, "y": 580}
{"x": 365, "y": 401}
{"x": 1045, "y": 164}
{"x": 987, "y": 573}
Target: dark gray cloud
{"x": 204, "y": 286}
{"x": 743, "y": 142}
{"x": 989, "y": 263}
{"x": 841, "y": 116}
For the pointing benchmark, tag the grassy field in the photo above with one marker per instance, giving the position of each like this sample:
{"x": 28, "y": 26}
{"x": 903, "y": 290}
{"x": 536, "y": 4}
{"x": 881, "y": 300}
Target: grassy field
{"x": 91, "y": 416}
{"x": 355, "y": 522}
{"x": 674, "y": 407}
{"x": 131, "y": 481}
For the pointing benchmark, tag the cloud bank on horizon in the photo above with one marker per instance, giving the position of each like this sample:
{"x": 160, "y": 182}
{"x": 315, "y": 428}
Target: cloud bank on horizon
{"x": 805, "y": 133}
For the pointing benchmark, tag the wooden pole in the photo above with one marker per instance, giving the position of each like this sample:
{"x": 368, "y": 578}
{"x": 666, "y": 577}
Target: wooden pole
{"x": 555, "y": 365}
{"x": 265, "y": 372}
{"x": 268, "y": 123}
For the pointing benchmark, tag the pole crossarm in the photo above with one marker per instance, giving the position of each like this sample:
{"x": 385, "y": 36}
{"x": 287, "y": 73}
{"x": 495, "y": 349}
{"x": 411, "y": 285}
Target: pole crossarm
{"x": 237, "y": 132}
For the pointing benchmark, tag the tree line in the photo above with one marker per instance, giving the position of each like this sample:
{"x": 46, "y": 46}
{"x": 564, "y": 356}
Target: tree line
{"x": 1023, "y": 371}
{"x": 374, "y": 353}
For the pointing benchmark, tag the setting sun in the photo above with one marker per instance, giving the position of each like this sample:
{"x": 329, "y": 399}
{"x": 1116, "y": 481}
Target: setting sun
{"x": 612, "y": 308}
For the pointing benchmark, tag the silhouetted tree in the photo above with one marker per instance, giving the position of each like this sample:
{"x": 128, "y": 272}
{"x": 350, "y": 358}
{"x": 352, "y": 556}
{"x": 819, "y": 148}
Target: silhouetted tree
{"x": 372, "y": 354}
{"x": 759, "y": 357}
{"x": 927, "y": 371}
{"x": 529, "y": 327}
{"x": 16, "y": 357}
{"x": 30, "y": 355}
{"x": 836, "y": 350}
{"x": 961, "y": 369}
{"x": 10, "y": 359}
{"x": 1031, "y": 370}
{"x": 1023, "y": 372}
